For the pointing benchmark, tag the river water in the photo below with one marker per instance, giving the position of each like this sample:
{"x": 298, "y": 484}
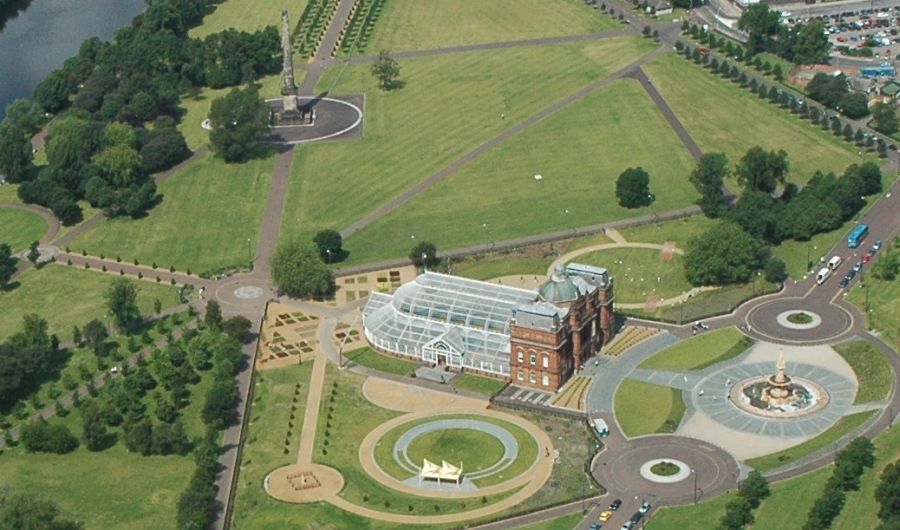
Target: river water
{"x": 37, "y": 36}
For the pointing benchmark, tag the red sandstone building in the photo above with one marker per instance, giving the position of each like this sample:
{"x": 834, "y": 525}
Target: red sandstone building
{"x": 534, "y": 338}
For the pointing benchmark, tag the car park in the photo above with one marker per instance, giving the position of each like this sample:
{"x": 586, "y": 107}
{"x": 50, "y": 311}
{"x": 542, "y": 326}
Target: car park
{"x": 614, "y": 505}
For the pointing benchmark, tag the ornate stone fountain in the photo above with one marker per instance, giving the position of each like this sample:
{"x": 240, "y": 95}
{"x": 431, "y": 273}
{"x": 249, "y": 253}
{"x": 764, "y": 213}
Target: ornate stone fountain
{"x": 778, "y": 395}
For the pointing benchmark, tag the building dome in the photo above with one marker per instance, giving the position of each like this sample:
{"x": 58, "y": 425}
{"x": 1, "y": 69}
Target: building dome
{"x": 559, "y": 288}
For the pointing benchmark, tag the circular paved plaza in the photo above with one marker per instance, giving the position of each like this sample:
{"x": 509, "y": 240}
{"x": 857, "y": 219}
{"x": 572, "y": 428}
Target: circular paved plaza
{"x": 336, "y": 118}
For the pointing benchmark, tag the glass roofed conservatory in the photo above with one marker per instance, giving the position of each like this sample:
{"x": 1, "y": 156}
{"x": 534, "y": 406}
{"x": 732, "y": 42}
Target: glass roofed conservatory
{"x": 441, "y": 318}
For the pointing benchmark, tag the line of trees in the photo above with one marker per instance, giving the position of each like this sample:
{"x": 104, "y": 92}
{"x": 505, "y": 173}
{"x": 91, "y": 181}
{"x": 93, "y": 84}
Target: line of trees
{"x": 803, "y": 44}
{"x": 769, "y": 211}
{"x": 849, "y": 466}
{"x": 739, "y": 510}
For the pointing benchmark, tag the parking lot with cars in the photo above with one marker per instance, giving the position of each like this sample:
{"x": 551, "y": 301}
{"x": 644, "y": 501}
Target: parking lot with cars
{"x": 877, "y": 29}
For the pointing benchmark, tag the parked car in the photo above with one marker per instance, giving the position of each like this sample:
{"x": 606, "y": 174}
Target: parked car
{"x": 596, "y": 526}
{"x": 851, "y": 274}
{"x": 877, "y": 245}
{"x": 614, "y": 505}
{"x": 645, "y": 507}
{"x": 844, "y": 282}
{"x": 857, "y": 266}
{"x": 635, "y": 517}
{"x": 866, "y": 258}
{"x": 605, "y": 516}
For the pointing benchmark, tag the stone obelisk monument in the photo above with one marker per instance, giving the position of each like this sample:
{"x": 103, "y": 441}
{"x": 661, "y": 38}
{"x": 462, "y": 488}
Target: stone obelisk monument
{"x": 290, "y": 109}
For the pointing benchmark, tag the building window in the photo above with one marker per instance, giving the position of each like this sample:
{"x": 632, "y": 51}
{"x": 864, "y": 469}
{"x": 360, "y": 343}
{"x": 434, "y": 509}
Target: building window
{"x": 532, "y": 377}
{"x": 521, "y": 375}
{"x": 521, "y": 356}
{"x": 546, "y": 361}
{"x": 533, "y": 359}
{"x": 545, "y": 380}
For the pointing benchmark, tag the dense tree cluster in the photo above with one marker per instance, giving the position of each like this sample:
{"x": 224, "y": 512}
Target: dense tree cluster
{"x": 7, "y": 265}
{"x": 41, "y": 437}
{"x": 833, "y": 91}
{"x": 21, "y": 511}
{"x": 739, "y": 510}
{"x": 133, "y": 82}
{"x": 803, "y": 44}
{"x": 723, "y": 254}
{"x": 25, "y": 357}
{"x": 239, "y": 121}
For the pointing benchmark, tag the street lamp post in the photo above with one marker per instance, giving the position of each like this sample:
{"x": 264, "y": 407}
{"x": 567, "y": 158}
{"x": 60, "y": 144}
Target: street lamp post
{"x": 249, "y": 254}
{"x": 694, "y": 472}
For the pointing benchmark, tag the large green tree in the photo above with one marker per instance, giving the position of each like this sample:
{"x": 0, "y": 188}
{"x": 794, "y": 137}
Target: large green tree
{"x": 633, "y": 188}
{"x": 16, "y": 158}
{"x": 887, "y": 493}
{"x": 239, "y": 120}
{"x": 7, "y": 265}
{"x": 885, "y": 117}
{"x": 855, "y": 105}
{"x": 762, "y": 170}
{"x": 724, "y": 254}
{"x": 386, "y": 70}
{"x": 329, "y": 243}
{"x": 298, "y": 270}
{"x": 709, "y": 178}
{"x": 20, "y": 511}
{"x": 811, "y": 44}
{"x": 121, "y": 300}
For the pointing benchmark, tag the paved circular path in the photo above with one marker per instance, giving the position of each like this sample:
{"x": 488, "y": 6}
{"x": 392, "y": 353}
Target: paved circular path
{"x": 335, "y": 118}
{"x": 618, "y": 468}
{"x": 763, "y": 319}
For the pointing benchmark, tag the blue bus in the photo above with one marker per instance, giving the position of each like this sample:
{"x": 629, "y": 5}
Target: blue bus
{"x": 857, "y": 235}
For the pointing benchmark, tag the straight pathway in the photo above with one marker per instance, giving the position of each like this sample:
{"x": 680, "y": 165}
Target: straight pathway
{"x": 323, "y": 56}
{"x": 271, "y": 225}
{"x": 424, "y": 185}
{"x": 667, "y": 113}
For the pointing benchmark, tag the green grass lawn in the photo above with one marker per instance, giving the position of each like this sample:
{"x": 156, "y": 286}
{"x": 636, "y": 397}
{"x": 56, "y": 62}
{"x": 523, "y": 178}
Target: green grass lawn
{"x": 701, "y": 351}
{"x": 8, "y": 194}
{"x": 383, "y": 363}
{"x": 884, "y": 306}
{"x": 844, "y": 426}
{"x": 447, "y": 106}
{"x": 248, "y": 15}
{"x": 413, "y": 24}
{"x": 645, "y": 408}
{"x": 208, "y": 212}
{"x": 455, "y": 445}
{"x": 872, "y": 370}
{"x": 715, "y": 302}
{"x": 69, "y": 296}
{"x": 264, "y": 448}
{"x": 19, "y": 228}
{"x": 476, "y": 383}
{"x": 861, "y": 509}
{"x": 586, "y": 241}
{"x": 579, "y": 174}
{"x": 640, "y": 272}
{"x": 712, "y": 109}
{"x": 487, "y": 268}
{"x": 679, "y": 231}
{"x": 566, "y": 522}
{"x": 786, "y": 507}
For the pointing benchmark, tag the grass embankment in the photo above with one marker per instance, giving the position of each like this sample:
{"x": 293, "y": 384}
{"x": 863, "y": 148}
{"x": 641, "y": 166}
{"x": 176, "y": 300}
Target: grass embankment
{"x": 424, "y": 117}
{"x": 711, "y": 108}
{"x": 209, "y": 219}
{"x": 701, "y": 351}
{"x": 271, "y": 442}
{"x": 412, "y": 24}
{"x": 844, "y": 426}
{"x": 378, "y": 361}
{"x": 19, "y": 228}
{"x": 495, "y": 267}
{"x": 476, "y": 383}
{"x": 640, "y": 272}
{"x": 578, "y": 176}
{"x": 645, "y": 408}
{"x": 679, "y": 231}
{"x": 873, "y": 371}
{"x": 69, "y": 296}
{"x": 884, "y": 307}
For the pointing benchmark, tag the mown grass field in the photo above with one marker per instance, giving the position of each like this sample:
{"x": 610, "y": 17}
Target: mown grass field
{"x": 8, "y": 194}
{"x": 873, "y": 371}
{"x": 413, "y": 24}
{"x": 644, "y": 408}
{"x": 844, "y": 426}
{"x": 265, "y": 448}
{"x": 697, "y": 352}
{"x": 679, "y": 231}
{"x": 861, "y": 508}
{"x": 381, "y": 362}
{"x": 640, "y": 273}
{"x": 578, "y": 186}
{"x": 70, "y": 296}
{"x": 476, "y": 383}
{"x": 19, "y": 228}
{"x": 208, "y": 212}
{"x": 248, "y": 15}
{"x": 713, "y": 109}
{"x": 495, "y": 267}
{"x": 448, "y": 105}
{"x": 884, "y": 306}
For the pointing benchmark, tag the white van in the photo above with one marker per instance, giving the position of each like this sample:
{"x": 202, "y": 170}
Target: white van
{"x": 823, "y": 275}
{"x": 834, "y": 262}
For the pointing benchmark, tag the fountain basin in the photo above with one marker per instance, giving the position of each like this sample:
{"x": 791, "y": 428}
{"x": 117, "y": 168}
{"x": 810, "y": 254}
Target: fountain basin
{"x": 790, "y": 398}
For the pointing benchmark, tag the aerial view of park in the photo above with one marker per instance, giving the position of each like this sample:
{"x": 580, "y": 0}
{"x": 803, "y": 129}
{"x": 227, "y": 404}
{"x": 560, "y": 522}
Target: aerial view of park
{"x": 494, "y": 264}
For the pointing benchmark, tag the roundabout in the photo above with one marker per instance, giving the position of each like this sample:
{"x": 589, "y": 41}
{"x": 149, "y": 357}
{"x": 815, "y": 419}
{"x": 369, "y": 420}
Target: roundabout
{"x": 779, "y": 320}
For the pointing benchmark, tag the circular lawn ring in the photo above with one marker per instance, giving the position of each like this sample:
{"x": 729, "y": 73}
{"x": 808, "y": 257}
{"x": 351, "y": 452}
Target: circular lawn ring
{"x": 665, "y": 470}
{"x": 491, "y": 451}
{"x": 640, "y": 272}
{"x": 797, "y": 319}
